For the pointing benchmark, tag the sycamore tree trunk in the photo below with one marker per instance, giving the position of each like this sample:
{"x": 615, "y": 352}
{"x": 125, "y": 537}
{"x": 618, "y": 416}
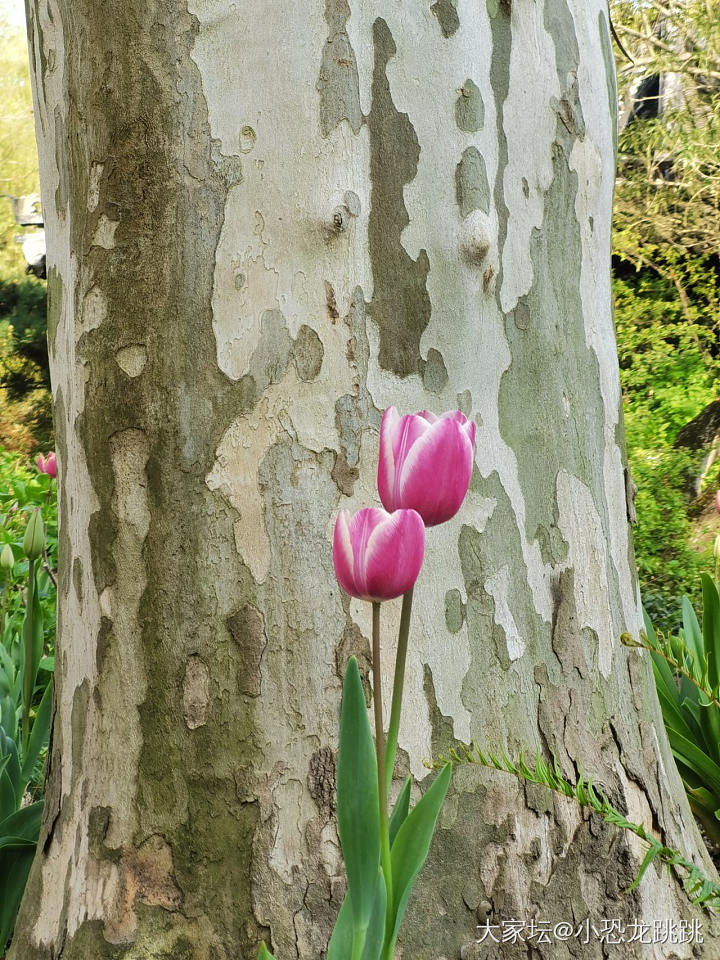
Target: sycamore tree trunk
{"x": 267, "y": 222}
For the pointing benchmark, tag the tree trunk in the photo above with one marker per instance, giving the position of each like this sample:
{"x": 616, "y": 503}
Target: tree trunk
{"x": 264, "y": 226}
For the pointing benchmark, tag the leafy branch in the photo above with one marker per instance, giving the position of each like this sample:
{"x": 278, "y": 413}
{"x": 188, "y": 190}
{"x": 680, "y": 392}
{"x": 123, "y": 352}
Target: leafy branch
{"x": 681, "y": 658}
{"x": 698, "y": 887}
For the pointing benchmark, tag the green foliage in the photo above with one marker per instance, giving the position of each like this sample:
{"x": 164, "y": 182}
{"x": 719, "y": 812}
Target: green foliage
{"x": 357, "y": 802}
{"x": 369, "y": 920}
{"x": 686, "y": 666}
{"x": 24, "y": 365}
{"x": 698, "y": 887}
{"x": 27, "y": 630}
{"x": 666, "y": 239}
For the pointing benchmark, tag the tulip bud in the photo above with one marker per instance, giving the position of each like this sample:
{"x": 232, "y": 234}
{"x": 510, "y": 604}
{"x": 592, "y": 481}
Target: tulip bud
{"x": 7, "y": 560}
{"x": 425, "y": 463}
{"x": 34, "y": 539}
{"x": 717, "y": 501}
{"x": 378, "y": 555}
{"x": 716, "y": 547}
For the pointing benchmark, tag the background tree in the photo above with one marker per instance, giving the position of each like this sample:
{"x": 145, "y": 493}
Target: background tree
{"x": 25, "y": 402}
{"x": 666, "y": 256}
{"x": 263, "y": 229}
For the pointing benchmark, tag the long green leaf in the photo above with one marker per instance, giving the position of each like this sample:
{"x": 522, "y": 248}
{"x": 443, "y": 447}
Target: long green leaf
{"x": 341, "y": 941}
{"x": 14, "y": 869}
{"x": 8, "y": 748}
{"x": 357, "y": 800}
{"x": 711, "y": 627}
{"x": 20, "y": 831}
{"x": 695, "y": 758}
{"x": 375, "y": 936}
{"x": 38, "y": 736}
{"x": 24, "y": 824}
{"x": 691, "y": 630}
{"x": 412, "y": 844}
{"x": 264, "y": 953}
{"x": 400, "y": 810}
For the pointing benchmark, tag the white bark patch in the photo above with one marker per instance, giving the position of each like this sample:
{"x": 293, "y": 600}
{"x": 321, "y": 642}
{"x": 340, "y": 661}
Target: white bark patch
{"x": 268, "y": 238}
{"x": 594, "y": 162}
{"x": 290, "y": 406}
{"x": 498, "y": 586}
{"x": 96, "y": 171}
{"x": 94, "y": 310}
{"x": 132, "y": 359}
{"x": 582, "y": 528}
{"x": 196, "y": 693}
{"x": 527, "y": 120}
{"x": 105, "y": 233}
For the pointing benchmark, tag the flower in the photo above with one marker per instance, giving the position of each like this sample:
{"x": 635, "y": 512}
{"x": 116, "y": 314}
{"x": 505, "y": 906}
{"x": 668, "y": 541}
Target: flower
{"x": 7, "y": 560}
{"x": 717, "y": 501}
{"x": 47, "y": 464}
{"x": 425, "y": 463}
{"x": 34, "y": 539}
{"x": 378, "y": 555}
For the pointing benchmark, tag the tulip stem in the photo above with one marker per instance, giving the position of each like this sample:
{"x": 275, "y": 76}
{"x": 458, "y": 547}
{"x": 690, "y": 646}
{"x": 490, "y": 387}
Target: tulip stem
{"x": 398, "y": 684}
{"x": 380, "y": 756}
{"x": 28, "y": 678}
{"x": 4, "y": 604}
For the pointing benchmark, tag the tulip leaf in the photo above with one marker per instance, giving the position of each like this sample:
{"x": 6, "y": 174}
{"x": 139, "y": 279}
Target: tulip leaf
{"x": 18, "y": 839}
{"x": 711, "y": 628}
{"x": 412, "y": 845}
{"x": 375, "y": 936}
{"x": 357, "y": 801}
{"x": 39, "y": 734}
{"x": 264, "y": 953}
{"x": 341, "y": 941}
{"x": 400, "y": 810}
{"x": 371, "y": 944}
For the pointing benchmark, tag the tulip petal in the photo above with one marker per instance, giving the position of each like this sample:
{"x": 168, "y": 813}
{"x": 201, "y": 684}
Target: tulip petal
{"x": 394, "y": 555}
{"x": 386, "y": 461}
{"x": 436, "y": 474}
{"x": 343, "y": 560}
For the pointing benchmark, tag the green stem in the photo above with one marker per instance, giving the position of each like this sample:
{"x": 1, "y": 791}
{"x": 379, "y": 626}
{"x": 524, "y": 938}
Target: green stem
{"x": 27, "y": 672}
{"x": 398, "y": 684}
{"x": 380, "y": 755}
{"x": 4, "y": 604}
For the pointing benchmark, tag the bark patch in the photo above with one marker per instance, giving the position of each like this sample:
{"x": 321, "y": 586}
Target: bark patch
{"x": 196, "y": 693}
{"x": 447, "y": 15}
{"x": 321, "y": 779}
{"x": 469, "y": 108}
{"x": 147, "y": 875}
{"x": 472, "y": 189}
{"x": 400, "y": 305}
{"x": 338, "y": 83}
{"x": 308, "y": 353}
{"x": 247, "y": 629}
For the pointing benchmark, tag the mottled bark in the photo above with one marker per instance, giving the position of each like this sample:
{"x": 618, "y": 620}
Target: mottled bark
{"x": 264, "y": 226}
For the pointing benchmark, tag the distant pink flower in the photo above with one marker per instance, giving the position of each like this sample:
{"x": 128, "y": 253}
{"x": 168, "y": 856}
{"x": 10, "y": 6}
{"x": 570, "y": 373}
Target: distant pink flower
{"x": 717, "y": 501}
{"x": 425, "y": 463}
{"x": 47, "y": 464}
{"x": 378, "y": 555}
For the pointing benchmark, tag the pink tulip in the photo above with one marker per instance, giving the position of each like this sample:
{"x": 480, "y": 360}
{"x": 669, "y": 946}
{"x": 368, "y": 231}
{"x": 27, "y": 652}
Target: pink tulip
{"x": 378, "y": 555}
{"x": 717, "y": 501}
{"x": 47, "y": 464}
{"x": 425, "y": 463}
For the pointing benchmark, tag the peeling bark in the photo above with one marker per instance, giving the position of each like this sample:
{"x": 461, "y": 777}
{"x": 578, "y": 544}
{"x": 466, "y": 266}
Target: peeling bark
{"x": 262, "y": 230}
